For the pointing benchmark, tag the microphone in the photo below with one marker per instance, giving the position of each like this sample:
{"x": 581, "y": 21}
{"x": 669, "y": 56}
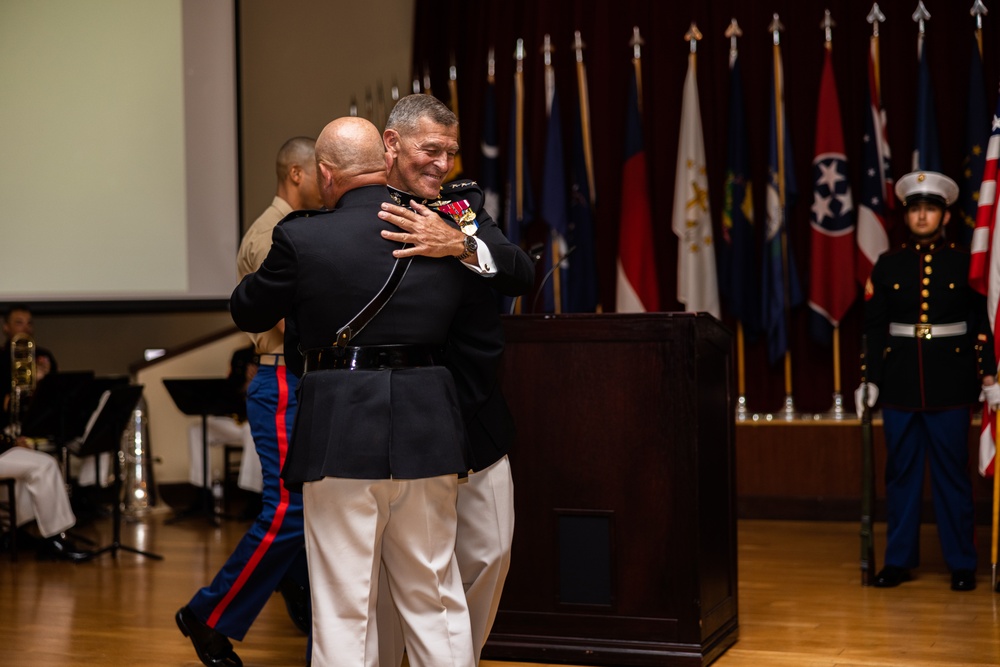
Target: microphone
{"x": 535, "y": 253}
{"x": 545, "y": 279}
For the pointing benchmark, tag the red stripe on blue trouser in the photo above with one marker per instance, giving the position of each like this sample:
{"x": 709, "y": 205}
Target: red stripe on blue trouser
{"x": 275, "y": 543}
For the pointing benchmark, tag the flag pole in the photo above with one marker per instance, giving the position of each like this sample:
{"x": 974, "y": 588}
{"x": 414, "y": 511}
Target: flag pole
{"x": 733, "y": 32}
{"x": 978, "y": 11}
{"x": 775, "y": 28}
{"x": 837, "y": 413}
{"x": 584, "y": 95}
{"x": 519, "y": 129}
{"x": 557, "y": 253}
{"x": 996, "y": 504}
{"x": 636, "y": 43}
{"x": 456, "y": 168}
{"x": 519, "y": 140}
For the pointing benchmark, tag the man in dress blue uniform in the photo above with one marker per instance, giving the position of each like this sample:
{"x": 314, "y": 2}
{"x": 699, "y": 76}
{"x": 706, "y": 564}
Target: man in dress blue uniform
{"x": 379, "y": 439}
{"x": 421, "y": 138}
{"x": 929, "y": 360}
{"x": 272, "y": 553}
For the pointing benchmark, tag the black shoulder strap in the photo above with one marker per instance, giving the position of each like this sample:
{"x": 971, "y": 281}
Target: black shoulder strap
{"x": 368, "y": 313}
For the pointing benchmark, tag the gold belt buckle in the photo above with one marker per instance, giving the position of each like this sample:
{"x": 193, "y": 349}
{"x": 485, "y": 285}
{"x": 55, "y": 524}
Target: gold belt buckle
{"x": 922, "y": 331}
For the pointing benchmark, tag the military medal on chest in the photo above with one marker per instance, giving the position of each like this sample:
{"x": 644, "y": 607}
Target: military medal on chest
{"x": 461, "y": 213}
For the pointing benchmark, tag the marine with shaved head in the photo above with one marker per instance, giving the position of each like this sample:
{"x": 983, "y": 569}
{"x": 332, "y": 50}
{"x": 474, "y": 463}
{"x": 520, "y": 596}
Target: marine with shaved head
{"x": 379, "y": 438}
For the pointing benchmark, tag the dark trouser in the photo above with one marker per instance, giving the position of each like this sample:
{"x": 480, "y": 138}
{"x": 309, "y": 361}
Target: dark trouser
{"x": 910, "y": 437}
{"x": 275, "y": 544}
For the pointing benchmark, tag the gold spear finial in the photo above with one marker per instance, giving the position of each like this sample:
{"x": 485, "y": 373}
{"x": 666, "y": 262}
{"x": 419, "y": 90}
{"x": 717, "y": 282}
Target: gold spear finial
{"x": 693, "y": 35}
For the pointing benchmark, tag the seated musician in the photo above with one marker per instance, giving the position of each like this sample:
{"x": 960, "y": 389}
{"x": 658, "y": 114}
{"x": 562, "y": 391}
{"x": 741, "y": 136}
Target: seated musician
{"x": 40, "y": 488}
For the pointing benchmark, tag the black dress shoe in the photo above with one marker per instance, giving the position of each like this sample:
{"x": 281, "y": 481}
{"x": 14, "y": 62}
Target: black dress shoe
{"x": 891, "y": 576}
{"x": 298, "y": 603}
{"x": 963, "y": 580}
{"x": 60, "y": 548}
{"x": 213, "y": 648}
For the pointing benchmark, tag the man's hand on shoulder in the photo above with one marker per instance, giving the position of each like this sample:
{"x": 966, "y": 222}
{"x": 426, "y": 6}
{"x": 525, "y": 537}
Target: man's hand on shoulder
{"x": 426, "y": 232}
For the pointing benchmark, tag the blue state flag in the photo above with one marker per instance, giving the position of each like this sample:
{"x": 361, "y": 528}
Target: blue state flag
{"x": 517, "y": 220}
{"x": 738, "y": 278}
{"x": 977, "y": 133}
{"x": 926, "y": 151}
{"x": 554, "y": 212}
{"x": 581, "y": 282}
{"x": 774, "y": 267}
{"x": 489, "y": 171}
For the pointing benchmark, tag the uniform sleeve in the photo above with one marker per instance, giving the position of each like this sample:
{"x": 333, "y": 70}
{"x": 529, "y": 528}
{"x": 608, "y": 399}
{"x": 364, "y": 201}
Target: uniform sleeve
{"x": 876, "y": 326}
{"x": 266, "y": 296}
{"x": 515, "y": 271}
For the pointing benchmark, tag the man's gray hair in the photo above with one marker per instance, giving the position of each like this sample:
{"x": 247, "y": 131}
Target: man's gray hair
{"x": 409, "y": 110}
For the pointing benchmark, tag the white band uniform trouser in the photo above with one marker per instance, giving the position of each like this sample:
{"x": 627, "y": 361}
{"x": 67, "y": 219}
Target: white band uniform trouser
{"x": 41, "y": 490}
{"x": 352, "y": 526}
{"x": 485, "y": 533}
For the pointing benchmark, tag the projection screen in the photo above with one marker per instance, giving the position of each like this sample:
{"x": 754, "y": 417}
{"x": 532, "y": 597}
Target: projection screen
{"x": 119, "y": 164}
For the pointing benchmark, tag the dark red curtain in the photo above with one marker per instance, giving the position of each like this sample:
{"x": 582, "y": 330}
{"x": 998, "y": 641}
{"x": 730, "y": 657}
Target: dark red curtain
{"x": 466, "y": 30}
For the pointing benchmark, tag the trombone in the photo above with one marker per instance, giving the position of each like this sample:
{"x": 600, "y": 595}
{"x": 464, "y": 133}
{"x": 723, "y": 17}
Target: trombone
{"x": 22, "y": 379}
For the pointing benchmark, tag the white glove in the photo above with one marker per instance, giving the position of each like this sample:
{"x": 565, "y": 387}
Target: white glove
{"x": 991, "y": 394}
{"x": 859, "y": 393}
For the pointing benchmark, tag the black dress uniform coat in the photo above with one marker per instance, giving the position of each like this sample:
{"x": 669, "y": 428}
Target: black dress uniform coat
{"x": 926, "y": 283}
{"x": 322, "y": 269}
{"x": 475, "y": 340}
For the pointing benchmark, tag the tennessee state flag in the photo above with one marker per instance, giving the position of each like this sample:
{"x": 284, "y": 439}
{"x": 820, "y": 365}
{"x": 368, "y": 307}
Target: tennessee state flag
{"x": 832, "y": 289}
{"x": 637, "y": 288}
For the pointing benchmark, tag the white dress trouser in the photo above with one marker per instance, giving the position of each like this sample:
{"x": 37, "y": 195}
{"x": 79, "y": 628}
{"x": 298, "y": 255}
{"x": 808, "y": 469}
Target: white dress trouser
{"x": 483, "y": 541}
{"x": 41, "y": 491}
{"x": 352, "y": 527}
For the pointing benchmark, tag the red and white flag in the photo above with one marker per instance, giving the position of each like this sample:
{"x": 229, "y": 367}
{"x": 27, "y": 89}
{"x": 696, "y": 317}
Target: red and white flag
{"x": 984, "y": 275}
{"x": 876, "y": 181}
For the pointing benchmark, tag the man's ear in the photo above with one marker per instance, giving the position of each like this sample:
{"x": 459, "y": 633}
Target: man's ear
{"x": 295, "y": 174}
{"x": 946, "y": 217}
{"x": 391, "y": 140}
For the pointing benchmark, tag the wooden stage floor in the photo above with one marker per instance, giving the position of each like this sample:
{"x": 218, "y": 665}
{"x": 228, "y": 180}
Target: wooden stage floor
{"x": 800, "y": 603}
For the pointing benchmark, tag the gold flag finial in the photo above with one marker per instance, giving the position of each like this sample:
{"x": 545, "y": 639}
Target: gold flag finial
{"x": 693, "y": 35}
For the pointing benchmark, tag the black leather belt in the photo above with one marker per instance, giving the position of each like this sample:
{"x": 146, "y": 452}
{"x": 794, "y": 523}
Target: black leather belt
{"x": 371, "y": 357}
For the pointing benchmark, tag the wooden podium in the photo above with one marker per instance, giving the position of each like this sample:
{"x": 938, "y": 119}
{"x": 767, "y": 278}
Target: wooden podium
{"x": 625, "y": 534}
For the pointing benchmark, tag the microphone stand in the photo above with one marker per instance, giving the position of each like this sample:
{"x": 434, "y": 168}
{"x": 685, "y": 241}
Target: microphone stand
{"x": 545, "y": 279}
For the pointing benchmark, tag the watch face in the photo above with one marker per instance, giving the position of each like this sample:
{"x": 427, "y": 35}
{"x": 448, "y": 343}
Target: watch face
{"x": 471, "y": 244}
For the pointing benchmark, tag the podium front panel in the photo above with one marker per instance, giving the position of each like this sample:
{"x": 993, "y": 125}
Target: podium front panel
{"x": 624, "y": 547}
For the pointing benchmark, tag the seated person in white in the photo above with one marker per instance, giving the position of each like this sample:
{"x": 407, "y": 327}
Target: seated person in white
{"x": 226, "y": 430}
{"x": 42, "y": 498}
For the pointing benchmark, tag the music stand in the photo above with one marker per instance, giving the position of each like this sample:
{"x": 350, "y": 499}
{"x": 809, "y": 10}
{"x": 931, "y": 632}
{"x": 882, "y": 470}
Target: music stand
{"x": 201, "y": 397}
{"x": 49, "y": 415}
{"x": 53, "y": 416}
{"x": 106, "y": 436}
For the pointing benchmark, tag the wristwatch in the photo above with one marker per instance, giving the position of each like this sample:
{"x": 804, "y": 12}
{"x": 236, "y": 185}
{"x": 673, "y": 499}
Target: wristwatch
{"x": 471, "y": 245}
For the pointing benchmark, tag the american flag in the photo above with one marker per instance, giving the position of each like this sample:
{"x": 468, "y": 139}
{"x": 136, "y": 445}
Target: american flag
{"x": 876, "y": 180}
{"x": 984, "y": 273}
